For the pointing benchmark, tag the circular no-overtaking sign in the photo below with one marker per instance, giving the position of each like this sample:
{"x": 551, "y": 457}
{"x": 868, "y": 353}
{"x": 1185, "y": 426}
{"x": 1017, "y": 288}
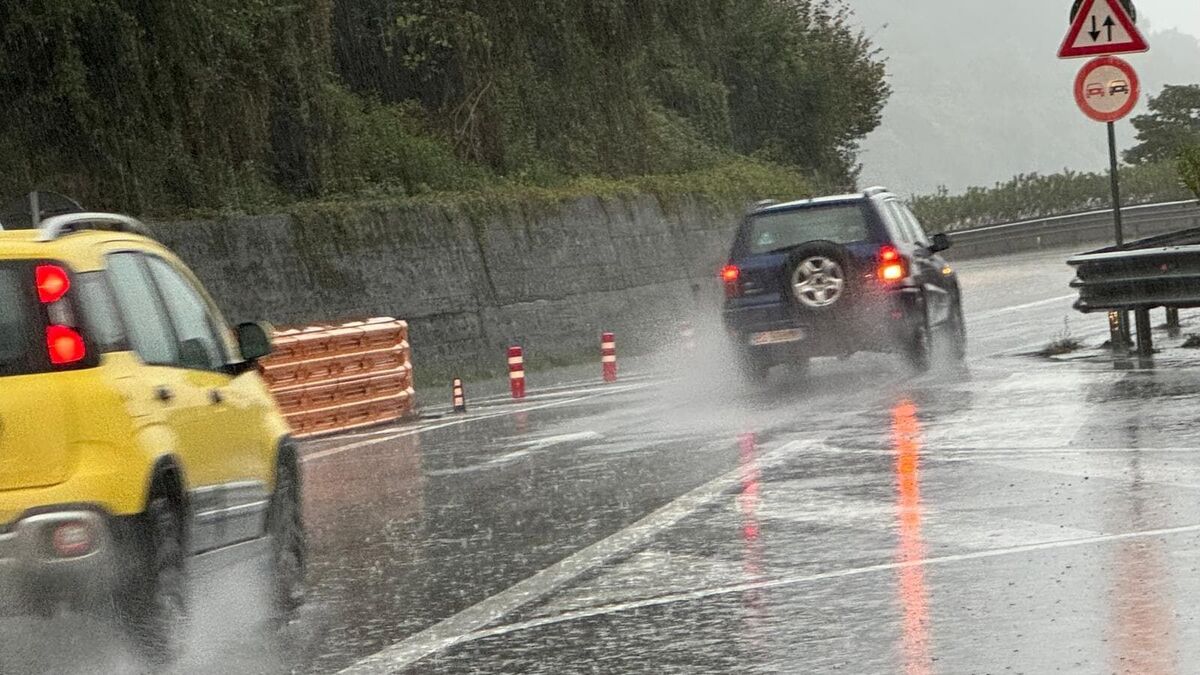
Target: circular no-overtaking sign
{"x": 1107, "y": 89}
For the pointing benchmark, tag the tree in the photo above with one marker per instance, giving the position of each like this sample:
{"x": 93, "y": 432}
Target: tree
{"x": 1172, "y": 125}
{"x": 1189, "y": 168}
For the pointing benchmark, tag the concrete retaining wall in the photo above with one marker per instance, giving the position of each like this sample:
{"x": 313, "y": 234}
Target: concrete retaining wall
{"x": 469, "y": 285}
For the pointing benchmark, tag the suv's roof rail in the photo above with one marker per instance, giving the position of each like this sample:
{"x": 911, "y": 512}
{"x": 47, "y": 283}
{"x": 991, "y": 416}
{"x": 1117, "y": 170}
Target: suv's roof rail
{"x": 60, "y": 226}
{"x": 876, "y": 190}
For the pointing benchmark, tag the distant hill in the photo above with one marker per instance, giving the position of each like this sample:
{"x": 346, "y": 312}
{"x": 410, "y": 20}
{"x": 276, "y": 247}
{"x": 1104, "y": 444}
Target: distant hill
{"x": 980, "y": 95}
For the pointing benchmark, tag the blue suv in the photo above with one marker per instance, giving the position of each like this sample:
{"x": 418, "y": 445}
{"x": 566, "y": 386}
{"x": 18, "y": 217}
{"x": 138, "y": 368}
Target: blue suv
{"x": 839, "y": 275}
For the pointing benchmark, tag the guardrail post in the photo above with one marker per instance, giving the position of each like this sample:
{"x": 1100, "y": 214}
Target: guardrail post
{"x": 1145, "y": 339}
{"x": 1173, "y": 327}
{"x": 1116, "y": 336}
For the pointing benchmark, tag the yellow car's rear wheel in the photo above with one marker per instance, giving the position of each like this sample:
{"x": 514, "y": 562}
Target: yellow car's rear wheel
{"x": 152, "y": 600}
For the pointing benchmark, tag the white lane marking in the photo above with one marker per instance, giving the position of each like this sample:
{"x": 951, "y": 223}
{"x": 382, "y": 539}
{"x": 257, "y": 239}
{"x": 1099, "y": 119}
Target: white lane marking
{"x": 1028, "y": 305}
{"x": 502, "y": 459}
{"x": 702, "y": 594}
{"x": 461, "y": 626}
{"x": 561, "y": 439}
{"x": 329, "y": 452}
{"x": 991, "y": 452}
{"x": 571, "y": 389}
{"x": 530, "y": 448}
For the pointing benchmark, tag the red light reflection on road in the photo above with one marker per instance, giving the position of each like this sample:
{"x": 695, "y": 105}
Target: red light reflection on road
{"x": 906, "y": 444}
{"x": 1143, "y": 626}
{"x": 752, "y": 547}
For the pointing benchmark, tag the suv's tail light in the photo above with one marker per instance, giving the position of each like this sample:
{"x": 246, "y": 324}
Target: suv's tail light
{"x": 64, "y": 344}
{"x": 892, "y": 266}
{"x": 731, "y": 276}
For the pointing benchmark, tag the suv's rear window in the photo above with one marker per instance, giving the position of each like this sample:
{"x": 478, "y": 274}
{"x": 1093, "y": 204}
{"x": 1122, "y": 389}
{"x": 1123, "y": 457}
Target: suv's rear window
{"x": 841, "y": 224}
{"x": 15, "y": 315}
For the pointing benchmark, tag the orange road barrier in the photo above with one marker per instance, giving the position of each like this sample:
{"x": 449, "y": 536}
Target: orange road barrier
{"x": 608, "y": 357}
{"x": 334, "y": 378}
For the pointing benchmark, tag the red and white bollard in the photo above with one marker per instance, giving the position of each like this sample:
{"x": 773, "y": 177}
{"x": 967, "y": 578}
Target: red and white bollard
{"x": 459, "y": 395}
{"x": 516, "y": 371}
{"x": 608, "y": 357}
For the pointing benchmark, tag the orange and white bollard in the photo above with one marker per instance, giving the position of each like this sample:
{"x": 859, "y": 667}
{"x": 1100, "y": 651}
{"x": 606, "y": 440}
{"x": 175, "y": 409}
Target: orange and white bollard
{"x": 516, "y": 372}
{"x": 459, "y": 397}
{"x": 608, "y": 357}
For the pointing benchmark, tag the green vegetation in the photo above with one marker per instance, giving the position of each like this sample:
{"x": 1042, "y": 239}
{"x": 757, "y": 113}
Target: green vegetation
{"x": 1189, "y": 168}
{"x": 1172, "y": 124}
{"x": 209, "y": 105}
{"x": 1062, "y": 344}
{"x": 1035, "y": 196}
{"x": 1164, "y": 167}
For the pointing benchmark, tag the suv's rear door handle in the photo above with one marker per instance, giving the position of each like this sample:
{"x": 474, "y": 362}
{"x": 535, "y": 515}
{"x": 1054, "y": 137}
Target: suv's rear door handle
{"x": 216, "y": 397}
{"x": 164, "y": 394}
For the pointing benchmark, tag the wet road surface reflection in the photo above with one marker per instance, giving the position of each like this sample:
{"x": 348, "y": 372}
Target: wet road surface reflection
{"x": 906, "y": 441}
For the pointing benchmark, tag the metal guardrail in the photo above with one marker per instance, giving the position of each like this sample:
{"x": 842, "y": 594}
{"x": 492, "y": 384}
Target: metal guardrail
{"x": 1074, "y": 229}
{"x": 1161, "y": 271}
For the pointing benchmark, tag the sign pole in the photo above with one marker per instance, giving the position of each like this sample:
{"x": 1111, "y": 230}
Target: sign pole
{"x": 1116, "y": 183}
{"x": 1118, "y": 225}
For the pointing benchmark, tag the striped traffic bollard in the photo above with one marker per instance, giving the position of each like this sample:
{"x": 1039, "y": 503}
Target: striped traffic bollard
{"x": 460, "y": 397}
{"x": 516, "y": 371}
{"x": 608, "y": 357}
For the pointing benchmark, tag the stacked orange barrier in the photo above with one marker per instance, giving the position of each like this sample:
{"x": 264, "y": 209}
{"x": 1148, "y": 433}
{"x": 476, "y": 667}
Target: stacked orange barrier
{"x": 334, "y": 378}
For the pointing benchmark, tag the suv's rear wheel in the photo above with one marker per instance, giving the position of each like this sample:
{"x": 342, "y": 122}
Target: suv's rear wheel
{"x": 919, "y": 350}
{"x": 152, "y": 602}
{"x": 818, "y": 276}
{"x": 289, "y": 549}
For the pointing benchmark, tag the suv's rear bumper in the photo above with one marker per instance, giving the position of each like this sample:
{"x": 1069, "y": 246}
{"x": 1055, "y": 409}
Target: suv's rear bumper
{"x": 878, "y": 322}
{"x": 33, "y": 579}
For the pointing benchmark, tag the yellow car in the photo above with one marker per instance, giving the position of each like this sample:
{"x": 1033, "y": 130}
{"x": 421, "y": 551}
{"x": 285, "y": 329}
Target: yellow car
{"x": 135, "y": 431}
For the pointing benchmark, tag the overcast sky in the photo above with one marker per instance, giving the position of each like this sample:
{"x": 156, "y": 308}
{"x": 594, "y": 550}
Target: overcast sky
{"x": 1183, "y": 15}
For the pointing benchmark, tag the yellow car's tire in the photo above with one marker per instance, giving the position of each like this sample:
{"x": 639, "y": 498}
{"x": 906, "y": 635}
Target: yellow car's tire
{"x": 152, "y": 600}
{"x": 289, "y": 547}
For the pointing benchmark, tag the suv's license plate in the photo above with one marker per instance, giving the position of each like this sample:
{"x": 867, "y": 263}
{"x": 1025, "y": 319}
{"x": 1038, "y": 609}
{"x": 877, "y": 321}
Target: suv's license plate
{"x": 776, "y": 337}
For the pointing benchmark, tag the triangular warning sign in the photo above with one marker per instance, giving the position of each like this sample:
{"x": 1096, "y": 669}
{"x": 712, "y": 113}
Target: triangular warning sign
{"x": 1102, "y": 28}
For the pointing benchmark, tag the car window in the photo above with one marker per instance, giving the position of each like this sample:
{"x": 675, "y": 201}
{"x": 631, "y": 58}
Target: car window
{"x": 149, "y": 329}
{"x": 199, "y": 345}
{"x": 100, "y": 312}
{"x": 922, "y": 237}
{"x": 772, "y": 231}
{"x": 14, "y": 318}
{"x": 899, "y": 223}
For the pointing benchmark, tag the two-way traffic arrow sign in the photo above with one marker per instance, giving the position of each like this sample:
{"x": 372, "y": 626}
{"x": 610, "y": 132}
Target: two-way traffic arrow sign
{"x": 1102, "y": 28}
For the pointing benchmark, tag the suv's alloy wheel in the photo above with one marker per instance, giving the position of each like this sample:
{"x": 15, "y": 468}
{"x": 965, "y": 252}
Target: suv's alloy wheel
{"x": 818, "y": 282}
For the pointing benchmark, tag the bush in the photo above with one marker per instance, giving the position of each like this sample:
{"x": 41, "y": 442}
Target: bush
{"x": 388, "y": 149}
{"x": 1036, "y": 196}
{"x": 1189, "y": 169}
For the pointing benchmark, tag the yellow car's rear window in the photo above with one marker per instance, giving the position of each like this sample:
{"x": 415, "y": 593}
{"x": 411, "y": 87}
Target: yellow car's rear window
{"x": 15, "y": 325}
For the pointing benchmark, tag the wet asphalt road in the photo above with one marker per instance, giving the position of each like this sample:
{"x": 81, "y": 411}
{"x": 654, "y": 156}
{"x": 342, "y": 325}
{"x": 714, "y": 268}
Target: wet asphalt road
{"x": 1016, "y": 515}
